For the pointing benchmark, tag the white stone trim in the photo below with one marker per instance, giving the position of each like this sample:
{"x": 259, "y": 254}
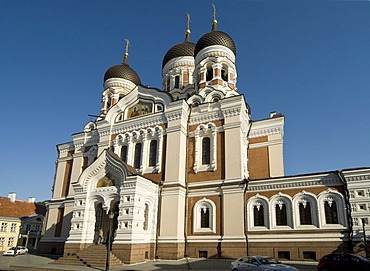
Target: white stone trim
{"x": 201, "y": 132}
{"x": 198, "y": 207}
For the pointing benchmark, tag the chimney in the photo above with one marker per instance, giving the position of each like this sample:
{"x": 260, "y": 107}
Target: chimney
{"x": 31, "y": 199}
{"x": 12, "y": 196}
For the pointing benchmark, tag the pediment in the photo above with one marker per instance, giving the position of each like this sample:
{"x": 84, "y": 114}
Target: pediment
{"x": 106, "y": 170}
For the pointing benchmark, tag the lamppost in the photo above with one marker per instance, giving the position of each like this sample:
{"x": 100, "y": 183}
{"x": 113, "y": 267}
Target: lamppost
{"x": 110, "y": 215}
{"x": 365, "y": 241}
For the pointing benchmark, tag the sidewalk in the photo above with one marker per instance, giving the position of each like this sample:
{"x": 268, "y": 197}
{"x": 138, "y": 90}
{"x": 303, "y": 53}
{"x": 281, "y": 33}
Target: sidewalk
{"x": 44, "y": 263}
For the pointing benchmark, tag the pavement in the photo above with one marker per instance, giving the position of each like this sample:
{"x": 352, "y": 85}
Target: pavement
{"x": 33, "y": 262}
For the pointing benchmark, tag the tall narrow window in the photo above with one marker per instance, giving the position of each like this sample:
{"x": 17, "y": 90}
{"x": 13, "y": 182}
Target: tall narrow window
{"x": 168, "y": 84}
{"x": 331, "y": 213}
{"x": 124, "y": 154}
{"x": 204, "y": 217}
{"x": 258, "y": 215}
{"x": 177, "y": 81}
{"x": 209, "y": 75}
{"x": 281, "y": 215}
{"x": 146, "y": 217}
{"x": 224, "y": 74}
{"x": 206, "y": 151}
{"x": 305, "y": 213}
{"x": 137, "y": 156}
{"x": 153, "y": 153}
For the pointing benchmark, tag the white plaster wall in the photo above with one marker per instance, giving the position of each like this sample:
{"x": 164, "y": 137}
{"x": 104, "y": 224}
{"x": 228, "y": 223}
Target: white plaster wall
{"x": 276, "y": 158}
{"x": 61, "y": 168}
{"x": 233, "y": 206}
{"x": 172, "y": 215}
{"x": 233, "y": 153}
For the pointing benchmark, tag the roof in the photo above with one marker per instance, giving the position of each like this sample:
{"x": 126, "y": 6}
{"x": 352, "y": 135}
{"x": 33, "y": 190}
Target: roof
{"x": 19, "y": 208}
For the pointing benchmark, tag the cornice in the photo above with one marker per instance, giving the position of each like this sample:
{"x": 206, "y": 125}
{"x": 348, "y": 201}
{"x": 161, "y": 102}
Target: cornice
{"x": 358, "y": 178}
{"x": 266, "y": 132}
{"x": 292, "y": 184}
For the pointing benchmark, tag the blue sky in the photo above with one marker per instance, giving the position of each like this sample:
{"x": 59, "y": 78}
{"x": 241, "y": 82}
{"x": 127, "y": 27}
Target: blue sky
{"x": 309, "y": 60}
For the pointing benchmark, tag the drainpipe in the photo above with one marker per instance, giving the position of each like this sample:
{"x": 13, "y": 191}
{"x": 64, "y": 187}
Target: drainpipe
{"x": 349, "y": 210}
{"x": 158, "y": 218}
{"x": 246, "y": 181}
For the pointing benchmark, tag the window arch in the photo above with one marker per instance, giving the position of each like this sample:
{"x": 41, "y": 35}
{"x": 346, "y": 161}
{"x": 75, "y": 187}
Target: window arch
{"x": 305, "y": 207}
{"x": 258, "y": 209}
{"x": 332, "y": 209}
{"x": 204, "y": 216}
{"x": 281, "y": 211}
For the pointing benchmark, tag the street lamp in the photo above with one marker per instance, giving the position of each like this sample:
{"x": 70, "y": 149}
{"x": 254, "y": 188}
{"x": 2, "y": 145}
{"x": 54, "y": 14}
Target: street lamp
{"x": 110, "y": 215}
{"x": 363, "y": 229}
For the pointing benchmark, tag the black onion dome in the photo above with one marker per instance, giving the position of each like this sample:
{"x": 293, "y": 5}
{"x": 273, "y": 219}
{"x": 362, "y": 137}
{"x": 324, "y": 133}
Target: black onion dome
{"x": 182, "y": 49}
{"x": 215, "y": 37}
{"x": 122, "y": 71}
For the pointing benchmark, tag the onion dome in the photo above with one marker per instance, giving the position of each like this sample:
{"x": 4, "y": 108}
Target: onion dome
{"x": 181, "y": 49}
{"x": 215, "y": 37}
{"x": 123, "y": 71}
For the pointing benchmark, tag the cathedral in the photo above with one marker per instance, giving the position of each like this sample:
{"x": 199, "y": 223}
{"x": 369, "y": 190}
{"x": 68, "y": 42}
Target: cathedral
{"x": 184, "y": 170}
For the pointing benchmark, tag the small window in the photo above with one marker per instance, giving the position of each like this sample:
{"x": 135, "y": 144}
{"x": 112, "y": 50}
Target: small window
{"x": 2, "y": 240}
{"x": 331, "y": 212}
{"x": 204, "y": 217}
{"x": 258, "y": 215}
{"x": 177, "y": 81}
{"x": 360, "y": 193}
{"x": 137, "y": 156}
{"x": 206, "y": 151}
{"x": 281, "y": 215}
{"x": 124, "y": 154}
{"x": 362, "y": 206}
{"x": 153, "y": 153}
{"x": 305, "y": 213}
{"x": 168, "y": 84}
{"x": 203, "y": 254}
{"x": 146, "y": 217}
{"x": 209, "y": 75}
{"x": 309, "y": 255}
{"x": 10, "y": 241}
{"x": 284, "y": 255}
{"x": 13, "y": 227}
{"x": 4, "y": 226}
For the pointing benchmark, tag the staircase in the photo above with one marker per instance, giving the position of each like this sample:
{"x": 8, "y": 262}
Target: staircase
{"x": 92, "y": 256}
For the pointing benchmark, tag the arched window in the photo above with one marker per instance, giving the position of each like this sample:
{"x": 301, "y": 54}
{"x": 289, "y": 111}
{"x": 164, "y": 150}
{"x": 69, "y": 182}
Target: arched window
{"x": 281, "y": 215}
{"x": 124, "y": 153}
{"x": 206, "y": 151}
{"x": 305, "y": 217}
{"x": 177, "y": 81}
{"x": 146, "y": 217}
{"x": 137, "y": 156}
{"x": 204, "y": 216}
{"x": 258, "y": 215}
{"x": 331, "y": 212}
{"x": 209, "y": 75}
{"x": 153, "y": 153}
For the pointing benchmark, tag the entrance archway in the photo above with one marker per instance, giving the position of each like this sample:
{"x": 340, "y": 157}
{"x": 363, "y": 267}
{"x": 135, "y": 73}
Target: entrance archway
{"x": 102, "y": 222}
